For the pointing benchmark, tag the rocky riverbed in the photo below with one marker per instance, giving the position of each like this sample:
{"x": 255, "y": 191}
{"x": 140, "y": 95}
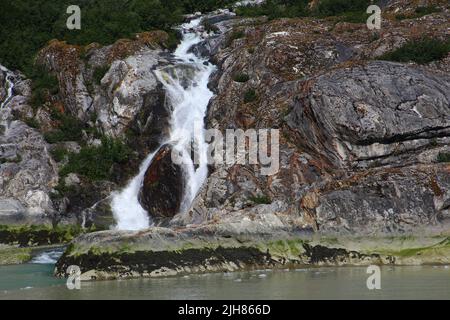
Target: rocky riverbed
{"x": 364, "y": 148}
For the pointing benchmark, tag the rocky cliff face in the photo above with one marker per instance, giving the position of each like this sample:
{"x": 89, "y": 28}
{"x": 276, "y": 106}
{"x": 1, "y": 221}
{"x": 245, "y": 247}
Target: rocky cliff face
{"x": 360, "y": 138}
{"x": 27, "y": 171}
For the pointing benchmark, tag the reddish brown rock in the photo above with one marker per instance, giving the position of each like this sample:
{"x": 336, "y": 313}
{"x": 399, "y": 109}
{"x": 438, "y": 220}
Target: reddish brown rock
{"x": 163, "y": 186}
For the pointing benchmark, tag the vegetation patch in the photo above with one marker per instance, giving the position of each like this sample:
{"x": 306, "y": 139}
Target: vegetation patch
{"x": 250, "y": 96}
{"x": 236, "y": 34}
{"x": 262, "y": 199}
{"x": 12, "y": 255}
{"x": 423, "y": 50}
{"x": 38, "y": 235}
{"x": 99, "y": 73}
{"x": 346, "y": 10}
{"x": 241, "y": 77}
{"x": 59, "y": 153}
{"x": 96, "y": 162}
{"x": 419, "y": 12}
{"x": 43, "y": 85}
{"x": 27, "y": 25}
{"x": 443, "y": 157}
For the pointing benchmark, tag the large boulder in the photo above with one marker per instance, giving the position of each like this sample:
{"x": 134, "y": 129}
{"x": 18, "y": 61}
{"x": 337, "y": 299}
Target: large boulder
{"x": 163, "y": 187}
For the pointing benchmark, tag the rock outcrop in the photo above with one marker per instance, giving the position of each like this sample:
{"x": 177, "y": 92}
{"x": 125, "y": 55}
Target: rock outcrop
{"x": 113, "y": 85}
{"x": 27, "y": 171}
{"x": 163, "y": 186}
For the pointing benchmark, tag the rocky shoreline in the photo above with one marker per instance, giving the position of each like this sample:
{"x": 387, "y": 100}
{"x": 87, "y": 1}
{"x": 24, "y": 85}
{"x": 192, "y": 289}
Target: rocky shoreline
{"x": 162, "y": 252}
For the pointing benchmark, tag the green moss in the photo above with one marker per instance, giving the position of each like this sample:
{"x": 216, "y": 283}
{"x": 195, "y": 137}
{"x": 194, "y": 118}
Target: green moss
{"x": 411, "y": 252}
{"x": 209, "y": 27}
{"x": 10, "y": 255}
{"x": 38, "y": 235}
{"x": 285, "y": 248}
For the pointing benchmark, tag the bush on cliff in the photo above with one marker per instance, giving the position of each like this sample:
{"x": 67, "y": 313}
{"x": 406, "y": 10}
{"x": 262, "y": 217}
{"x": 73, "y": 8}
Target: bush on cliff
{"x": 96, "y": 162}
{"x": 99, "y": 73}
{"x": 69, "y": 128}
{"x": 43, "y": 84}
{"x": 421, "y": 51}
{"x": 443, "y": 157}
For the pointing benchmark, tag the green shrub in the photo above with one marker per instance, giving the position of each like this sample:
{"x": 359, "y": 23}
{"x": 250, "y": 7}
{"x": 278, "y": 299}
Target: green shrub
{"x": 250, "y": 96}
{"x": 443, "y": 157}
{"x": 99, "y": 73}
{"x": 58, "y": 153}
{"x": 43, "y": 84}
{"x": 347, "y": 10}
{"x": 419, "y": 12}
{"x": 69, "y": 128}
{"x": 354, "y": 17}
{"x": 422, "y": 51}
{"x": 275, "y": 9}
{"x": 327, "y": 8}
{"x": 241, "y": 77}
{"x": 96, "y": 162}
{"x": 236, "y": 34}
{"x": 32, "y": 123}
{"x": 424, "y": 10}
{"x": 263, "y": 199}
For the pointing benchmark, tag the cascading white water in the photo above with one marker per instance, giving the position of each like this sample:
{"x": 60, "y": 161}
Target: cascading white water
{"x": 186, "y": 84}
{"x": 9, "y": 86}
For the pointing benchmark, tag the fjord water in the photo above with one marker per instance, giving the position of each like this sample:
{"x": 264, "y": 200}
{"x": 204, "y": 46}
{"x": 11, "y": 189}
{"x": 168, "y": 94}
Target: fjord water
{"x": 186, "y": 85}
{"x": 35, "y": 281}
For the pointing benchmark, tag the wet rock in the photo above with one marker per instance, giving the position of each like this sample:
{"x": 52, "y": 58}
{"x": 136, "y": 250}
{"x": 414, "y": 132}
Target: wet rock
{"x": 163, "y": 187}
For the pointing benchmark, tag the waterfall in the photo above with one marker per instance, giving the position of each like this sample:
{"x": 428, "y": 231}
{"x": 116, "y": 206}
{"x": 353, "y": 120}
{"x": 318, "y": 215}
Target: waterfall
{"x": 186, "y": 85}
{"x": 9, "y": 86}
